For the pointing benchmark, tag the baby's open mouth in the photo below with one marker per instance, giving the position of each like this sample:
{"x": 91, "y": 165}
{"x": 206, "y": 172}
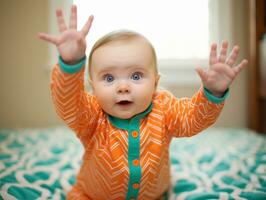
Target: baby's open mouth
{"x": 124, "y": 102}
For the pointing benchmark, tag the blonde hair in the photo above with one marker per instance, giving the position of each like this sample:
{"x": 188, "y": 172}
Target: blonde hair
{"x": 120, "y": 35}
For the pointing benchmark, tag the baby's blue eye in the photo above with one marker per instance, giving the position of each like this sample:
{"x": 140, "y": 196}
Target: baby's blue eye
{"x": 136, "y": 76}
{"x": 109, "y": 78}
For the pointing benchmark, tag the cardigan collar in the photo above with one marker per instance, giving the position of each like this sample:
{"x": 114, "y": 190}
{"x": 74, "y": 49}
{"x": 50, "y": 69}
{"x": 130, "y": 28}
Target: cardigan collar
{"x": 132, "y": 122}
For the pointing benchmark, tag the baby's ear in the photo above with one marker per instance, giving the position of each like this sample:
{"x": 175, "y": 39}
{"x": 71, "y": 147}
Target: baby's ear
{"x": 91, "y": 85}
{"x": 157, "y": 78}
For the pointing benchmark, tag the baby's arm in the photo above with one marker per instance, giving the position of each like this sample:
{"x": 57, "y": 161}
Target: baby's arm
{"x": 189, "y": 116}
{"x": 71, "y": 101}
{"x": 186, "y": 117}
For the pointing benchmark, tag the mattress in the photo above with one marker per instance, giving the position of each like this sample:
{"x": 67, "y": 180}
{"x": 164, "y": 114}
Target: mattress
{"x": 219, "y": 163}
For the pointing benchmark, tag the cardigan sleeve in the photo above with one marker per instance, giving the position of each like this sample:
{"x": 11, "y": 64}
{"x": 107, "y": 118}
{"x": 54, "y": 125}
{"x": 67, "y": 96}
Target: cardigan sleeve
{"x": 78, "y": 109}
{"x": 186, "y": 117}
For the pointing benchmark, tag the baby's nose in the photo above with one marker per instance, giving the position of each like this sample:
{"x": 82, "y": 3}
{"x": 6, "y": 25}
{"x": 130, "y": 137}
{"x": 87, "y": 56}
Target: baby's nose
{"x": 123, "y": 88}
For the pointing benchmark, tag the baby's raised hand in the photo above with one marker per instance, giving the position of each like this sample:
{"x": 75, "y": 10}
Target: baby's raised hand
{"x": 71, "y": 44}
{"x": 221, "y": 72}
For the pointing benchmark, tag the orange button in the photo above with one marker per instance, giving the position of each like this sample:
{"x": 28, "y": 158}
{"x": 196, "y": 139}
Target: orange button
{"x": 135, "y": 186}
{"x": 135, "y": 134}
{"x": 136, "y": 162}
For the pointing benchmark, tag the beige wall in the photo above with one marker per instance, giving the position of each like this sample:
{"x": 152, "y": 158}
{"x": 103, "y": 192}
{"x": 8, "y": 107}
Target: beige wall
{"x": 25, "y": 100}
{"x": 24, "y": 81}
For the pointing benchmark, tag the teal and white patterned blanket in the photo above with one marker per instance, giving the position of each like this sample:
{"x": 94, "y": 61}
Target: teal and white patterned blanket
{"x": 216, "y": 164}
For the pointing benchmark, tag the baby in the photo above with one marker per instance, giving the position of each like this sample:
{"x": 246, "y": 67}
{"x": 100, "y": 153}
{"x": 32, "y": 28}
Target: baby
{"x": 126, "y": 125}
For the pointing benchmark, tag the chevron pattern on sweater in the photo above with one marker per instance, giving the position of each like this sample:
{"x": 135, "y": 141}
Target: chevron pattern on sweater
{"x": 104, "y": 172}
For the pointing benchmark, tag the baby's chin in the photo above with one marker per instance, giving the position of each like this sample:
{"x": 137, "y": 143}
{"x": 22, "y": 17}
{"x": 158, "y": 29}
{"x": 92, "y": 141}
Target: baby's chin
{"x": 123, "y": 116}
{"x": 125, "y": 113}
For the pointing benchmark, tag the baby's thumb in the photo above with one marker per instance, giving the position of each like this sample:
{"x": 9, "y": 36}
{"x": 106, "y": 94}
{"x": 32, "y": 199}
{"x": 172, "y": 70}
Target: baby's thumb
{"x": 201, "y": 73}
{"x": 48, "y": 38}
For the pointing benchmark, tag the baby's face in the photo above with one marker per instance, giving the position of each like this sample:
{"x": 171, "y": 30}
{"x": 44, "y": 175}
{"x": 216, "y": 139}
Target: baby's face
{"x": 123, "y": 77}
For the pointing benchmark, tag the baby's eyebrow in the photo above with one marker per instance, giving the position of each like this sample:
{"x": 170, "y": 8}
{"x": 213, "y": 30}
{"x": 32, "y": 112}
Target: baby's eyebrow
{"x": 112, "y": 68}
{"x": 106, "y": 70}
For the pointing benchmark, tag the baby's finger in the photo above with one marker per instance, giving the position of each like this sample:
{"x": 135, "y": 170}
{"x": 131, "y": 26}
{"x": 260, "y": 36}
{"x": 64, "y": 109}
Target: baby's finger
{"x": 48, "y": 38}
{"x": 213, "y": 54}
{"x": 87, "y": 26}
{"x": 233, "y": 56}
{"x": 241, "y": 66}
{"x": 202, "y": 73}
{"x": 73, "y": 18}
{"x": 223, "y": 52}
{"x": 60, "y": 21}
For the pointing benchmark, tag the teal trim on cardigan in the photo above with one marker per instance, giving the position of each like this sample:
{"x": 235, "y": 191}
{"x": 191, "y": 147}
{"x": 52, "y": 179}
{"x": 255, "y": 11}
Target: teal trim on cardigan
{"x": 131, "y": 125}
{"x": 215, "y": 99}
{"x": 71, "y": 69}
{"x": 126, "y": 123}
{"x": 165, "y": 196}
